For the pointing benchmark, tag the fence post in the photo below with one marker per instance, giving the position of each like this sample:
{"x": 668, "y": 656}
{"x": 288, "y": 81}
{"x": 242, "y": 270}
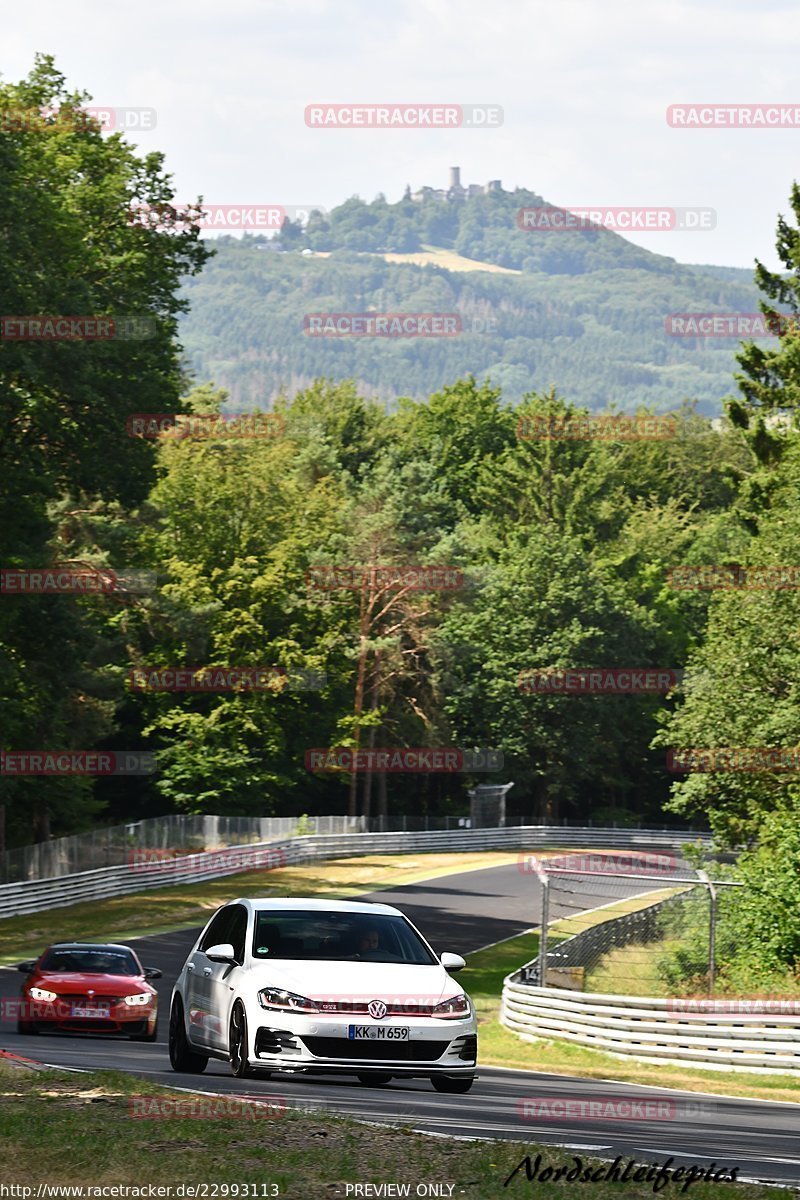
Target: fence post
{"x": 545, "y": 882}
{"x": 712, "y": 930}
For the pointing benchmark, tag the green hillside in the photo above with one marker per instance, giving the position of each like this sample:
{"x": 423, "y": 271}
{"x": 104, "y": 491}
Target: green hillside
{"x": 586, "y": 313}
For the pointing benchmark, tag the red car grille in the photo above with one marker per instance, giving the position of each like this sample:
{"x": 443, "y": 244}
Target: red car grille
{"x": 89, "y": 1001}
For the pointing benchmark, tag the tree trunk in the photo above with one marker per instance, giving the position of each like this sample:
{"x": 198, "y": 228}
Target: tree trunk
{"x": 358, "y": 705}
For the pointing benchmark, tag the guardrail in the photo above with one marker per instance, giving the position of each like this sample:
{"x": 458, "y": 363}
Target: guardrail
{"x": 30, "y": 896}
{"x": 720, "y": 1033}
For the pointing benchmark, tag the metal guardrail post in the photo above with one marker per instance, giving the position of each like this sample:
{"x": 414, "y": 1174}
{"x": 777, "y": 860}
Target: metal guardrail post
{"x": 545, "y": 882}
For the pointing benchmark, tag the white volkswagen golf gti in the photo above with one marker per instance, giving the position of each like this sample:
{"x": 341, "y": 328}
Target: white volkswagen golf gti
{"x": 322, "y": 986}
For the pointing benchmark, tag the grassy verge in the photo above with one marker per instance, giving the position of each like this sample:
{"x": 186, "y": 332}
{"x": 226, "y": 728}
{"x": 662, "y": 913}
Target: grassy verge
{"x": 181, "y": 906}
{"x": 79, "y": 1129}
{"x": 499, "y": 1047}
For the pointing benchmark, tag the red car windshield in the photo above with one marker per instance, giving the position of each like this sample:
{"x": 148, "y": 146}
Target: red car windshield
{"x": 90, "y": 961}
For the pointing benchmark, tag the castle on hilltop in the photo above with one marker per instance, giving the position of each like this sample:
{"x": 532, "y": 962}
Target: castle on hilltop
{"x": 455, "y": 192}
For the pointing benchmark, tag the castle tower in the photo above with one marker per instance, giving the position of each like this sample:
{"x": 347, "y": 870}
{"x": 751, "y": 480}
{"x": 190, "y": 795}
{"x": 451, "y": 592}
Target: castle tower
{"x": 455, "y": 177}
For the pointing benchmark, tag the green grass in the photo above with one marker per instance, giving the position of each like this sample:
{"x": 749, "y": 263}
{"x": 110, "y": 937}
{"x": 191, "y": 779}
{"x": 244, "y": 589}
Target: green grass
{"x": 78, "y": 1130}
{"x": 632, "y": 970}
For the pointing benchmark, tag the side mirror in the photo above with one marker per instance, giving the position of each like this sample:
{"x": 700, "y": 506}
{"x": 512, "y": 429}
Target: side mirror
{"x": 152, "y": 973}
{"x": 452, "y": 962}
{"x": 221, "y": 953}
{"x": 27, "y": 967}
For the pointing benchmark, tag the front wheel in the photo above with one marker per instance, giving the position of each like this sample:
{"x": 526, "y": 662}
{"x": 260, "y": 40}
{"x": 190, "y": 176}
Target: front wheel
{"x": 27, "y": 1027}
{"x": 237, "y": 1042}
{"x": 181, "y": 1056}
{"x": 454, "y": 1084}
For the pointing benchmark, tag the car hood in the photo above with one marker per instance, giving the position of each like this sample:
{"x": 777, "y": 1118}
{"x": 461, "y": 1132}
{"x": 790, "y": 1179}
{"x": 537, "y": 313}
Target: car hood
{"x": 342, "y": 981}
{"x": 80, "y": 981}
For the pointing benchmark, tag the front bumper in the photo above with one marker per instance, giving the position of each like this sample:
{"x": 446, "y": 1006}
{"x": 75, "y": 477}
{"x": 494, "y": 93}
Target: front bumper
{"x": 120, "y": 1018}
{"x": 291, "y": 1042}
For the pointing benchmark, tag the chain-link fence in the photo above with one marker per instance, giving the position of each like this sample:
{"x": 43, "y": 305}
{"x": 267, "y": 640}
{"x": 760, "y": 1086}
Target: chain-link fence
{"x": 633, "y": 923}
{"x": 115, "y": 845}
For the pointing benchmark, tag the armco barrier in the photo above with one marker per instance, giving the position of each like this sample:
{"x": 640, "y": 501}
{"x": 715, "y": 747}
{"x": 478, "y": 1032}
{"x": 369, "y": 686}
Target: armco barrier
{"x": 37, "y": 895}
{"x": 651, "y": 1031}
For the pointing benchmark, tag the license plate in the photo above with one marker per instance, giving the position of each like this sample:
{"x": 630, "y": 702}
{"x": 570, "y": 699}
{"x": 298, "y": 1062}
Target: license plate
{"x": 99, "y": 1010}
{"x": 378, "y": 1033}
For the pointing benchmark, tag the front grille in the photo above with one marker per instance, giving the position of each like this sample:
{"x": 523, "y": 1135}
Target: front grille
{"x": 361, "y": 1008}
{"x": 88, "y": 1001}
{"x": 330, "y": 1047}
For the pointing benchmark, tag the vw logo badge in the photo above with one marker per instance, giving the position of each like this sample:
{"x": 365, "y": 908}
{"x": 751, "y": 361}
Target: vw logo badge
{"x": 377, "y": 1009}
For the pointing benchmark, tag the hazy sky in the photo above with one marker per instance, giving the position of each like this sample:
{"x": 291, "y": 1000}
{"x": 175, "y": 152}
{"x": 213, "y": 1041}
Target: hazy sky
{"x": 584, "y": 85}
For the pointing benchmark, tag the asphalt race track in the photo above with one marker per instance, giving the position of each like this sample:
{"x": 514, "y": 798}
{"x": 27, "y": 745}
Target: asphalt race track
{"x": 463, "y": 913}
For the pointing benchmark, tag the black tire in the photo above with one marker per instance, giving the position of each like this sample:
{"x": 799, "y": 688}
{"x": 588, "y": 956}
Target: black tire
{"x": 27, "y": 1027}
{"x": 454, "y": 1084}
{"x": 237, "y": 1042}
{"x": 181, "y": 1056}
{"x": 375, "y": 1080}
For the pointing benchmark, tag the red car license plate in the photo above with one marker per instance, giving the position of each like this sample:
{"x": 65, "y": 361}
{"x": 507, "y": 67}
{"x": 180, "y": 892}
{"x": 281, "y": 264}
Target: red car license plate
{"x": 96, "y": 1010}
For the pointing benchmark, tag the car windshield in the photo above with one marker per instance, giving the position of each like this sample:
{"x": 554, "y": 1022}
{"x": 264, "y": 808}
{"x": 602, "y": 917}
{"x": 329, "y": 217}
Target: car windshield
{"x": 331, "y": 936}
{"x": 91, "y": 960}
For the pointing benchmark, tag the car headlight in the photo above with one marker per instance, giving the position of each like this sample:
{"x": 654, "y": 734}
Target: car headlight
{"x": 137, "y": 998}
{"x": 41, "y": 994}
{"x": 456, "y": 1006}
{"x": 279, "y": 998}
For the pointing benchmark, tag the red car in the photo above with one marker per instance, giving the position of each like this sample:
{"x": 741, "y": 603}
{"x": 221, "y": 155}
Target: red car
{"x": 81, "y": 987}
